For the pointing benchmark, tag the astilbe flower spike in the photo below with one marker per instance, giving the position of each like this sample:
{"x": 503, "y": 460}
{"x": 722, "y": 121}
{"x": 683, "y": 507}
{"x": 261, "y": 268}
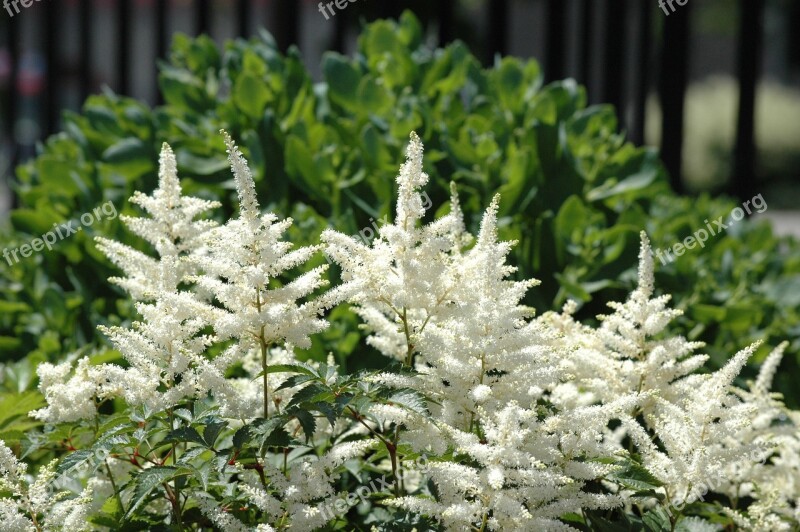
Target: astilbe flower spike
{"x": 241, "y": 271}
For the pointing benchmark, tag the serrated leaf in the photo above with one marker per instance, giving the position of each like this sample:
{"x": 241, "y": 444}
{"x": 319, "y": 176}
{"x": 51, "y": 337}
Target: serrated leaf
{"x": 148, "y": 480}
{"x": 305, "y": 369}
{"x": 410, "y": 400}
{"x": 190, "y": 454}
{"x": 328, "y": 411}
{"x": 212, "y": 431}
{"x": 657, "y": 520}
{"x": 295, "y": 380}
{"x": 184, "y": 414}
{"x": 242, "y": 436}
{"x": 111, "y": 513}
{"x": 109, "y": 441}
{"x": 277, "y": 438}
{"x": 635, "y": 477}
{"x": 312, "y": 392}
{"x": 74, "y": 460}
{"x": 306, "y": 421}
{"x": 259, "y": 430}
{"x": 184, "y": 434}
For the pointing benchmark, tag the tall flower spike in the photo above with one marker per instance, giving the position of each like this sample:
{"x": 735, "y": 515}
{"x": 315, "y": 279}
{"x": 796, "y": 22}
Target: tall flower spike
{"x": 172, "y": 230}
{"x": 244, "y": 262}
{"x": 488, "y": 233}
{"x": 768, "y": 368}
{"x": 404, "y": 280}
{"x": 410, "y": 208}
{"x": 245, "y": 186}
{"x": 169, "y": 187}
{"x": 646, "y": 271}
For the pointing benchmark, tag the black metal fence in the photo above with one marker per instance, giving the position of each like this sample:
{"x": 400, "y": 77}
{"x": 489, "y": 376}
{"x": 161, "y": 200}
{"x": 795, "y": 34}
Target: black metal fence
{"x": 620, "y": 49}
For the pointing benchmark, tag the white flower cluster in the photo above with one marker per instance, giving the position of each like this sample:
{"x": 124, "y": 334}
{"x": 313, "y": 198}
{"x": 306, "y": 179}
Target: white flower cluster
{"x": 225, "y": 279}
{"x": 31, "y": 506}
{"x": 530, "y": 417}
{"x": 530, "y": 401}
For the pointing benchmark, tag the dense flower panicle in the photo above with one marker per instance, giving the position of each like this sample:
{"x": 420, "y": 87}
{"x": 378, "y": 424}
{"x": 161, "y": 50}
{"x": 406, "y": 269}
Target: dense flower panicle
{"x": 483, "y": 361}
{"x": 70, "y": 397}
{"x": 405, "y": 279}
{"x": 165, "y": 352}
{"x": 693, "y": 431}
{"x": 245, "y": 258}
{"x": 30, "y": 499}
{"x": 172, "y": 230}
{"x": 525, "y": 419}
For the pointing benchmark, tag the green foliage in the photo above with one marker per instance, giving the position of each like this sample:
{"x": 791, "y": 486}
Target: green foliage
{"x": 575, "y": 193}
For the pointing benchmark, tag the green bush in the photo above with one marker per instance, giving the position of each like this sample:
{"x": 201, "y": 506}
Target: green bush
{"x": 575, "y": 193}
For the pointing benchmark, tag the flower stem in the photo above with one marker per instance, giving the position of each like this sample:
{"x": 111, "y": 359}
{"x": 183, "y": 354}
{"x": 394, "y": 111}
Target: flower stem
{"x": 264, "y": 369}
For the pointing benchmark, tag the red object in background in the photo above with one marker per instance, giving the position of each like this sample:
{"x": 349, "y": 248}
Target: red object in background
{"x": 5, "y": 66}
{"x": 30, "y": 81}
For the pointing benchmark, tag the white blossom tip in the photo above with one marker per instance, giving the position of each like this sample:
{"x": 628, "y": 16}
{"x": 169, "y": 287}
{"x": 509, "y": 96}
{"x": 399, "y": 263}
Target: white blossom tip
{"x": 245, "y": 186}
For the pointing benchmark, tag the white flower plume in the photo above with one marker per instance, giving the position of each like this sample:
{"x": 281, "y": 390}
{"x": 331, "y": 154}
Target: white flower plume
{"x": 242, "y": 270}
{"x": 404, "y": 280}
{"x": 172, "y": 229}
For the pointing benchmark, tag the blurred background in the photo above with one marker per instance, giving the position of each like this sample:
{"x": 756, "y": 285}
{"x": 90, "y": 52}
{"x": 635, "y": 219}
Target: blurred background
{"x": 715, "y": 84}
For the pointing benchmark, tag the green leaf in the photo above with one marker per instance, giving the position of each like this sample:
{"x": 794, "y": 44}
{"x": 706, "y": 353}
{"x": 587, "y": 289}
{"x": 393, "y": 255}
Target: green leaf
{"x": 242, "y": 436}
{"x": 343, "y": 80}
{"x": 110, "y": 514}
{"x": 657, "y": 520}
{"x": 635, "y": 182}
{"x": 17, "y": 405}
{"x": 212, "y": 431}
{"x": 74, "y": 460}
{"x": 145, "y": 482}
{"x": 251, "y": 95}
{"x": 409, "y": 399}
{"x": 307, "y": 421}
{"x": 196, "y": 165}
{"x": 184, "y": 434}
{"x": 258, "y": 429}
{"x": 277, "y": 438}
{"x": 311, "y": 393}
{"x": 270, "y": 432}
{"x": 34, "y": 222}
{"x": 635, "y": 477}
{"x": 295, "y": 380}
{"x": 9, "y": 307}
{"x": 304, "y": 369}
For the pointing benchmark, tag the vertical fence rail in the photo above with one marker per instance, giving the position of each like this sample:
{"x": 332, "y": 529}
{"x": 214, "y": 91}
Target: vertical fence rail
{"x": 673, "y": 79}
{"x": 202, "y": 15}
{"x": 555, "y": 49}
{"x": 242, "y": 17}
{"x": 85, "y": 47}
{"x": 614, "y": 59}
{"x": 10, "y": 110}
{"x": 287, "y": 23}
{"x": 586, "y": 37}
{"x": 645, "y": 37}
{"x": 52, "y": 67}
{"x": 124, "y": 45}
{"x": 751, "y": 39}
{"x": 445, "y": 16}
{"x": 498, "y": 29}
